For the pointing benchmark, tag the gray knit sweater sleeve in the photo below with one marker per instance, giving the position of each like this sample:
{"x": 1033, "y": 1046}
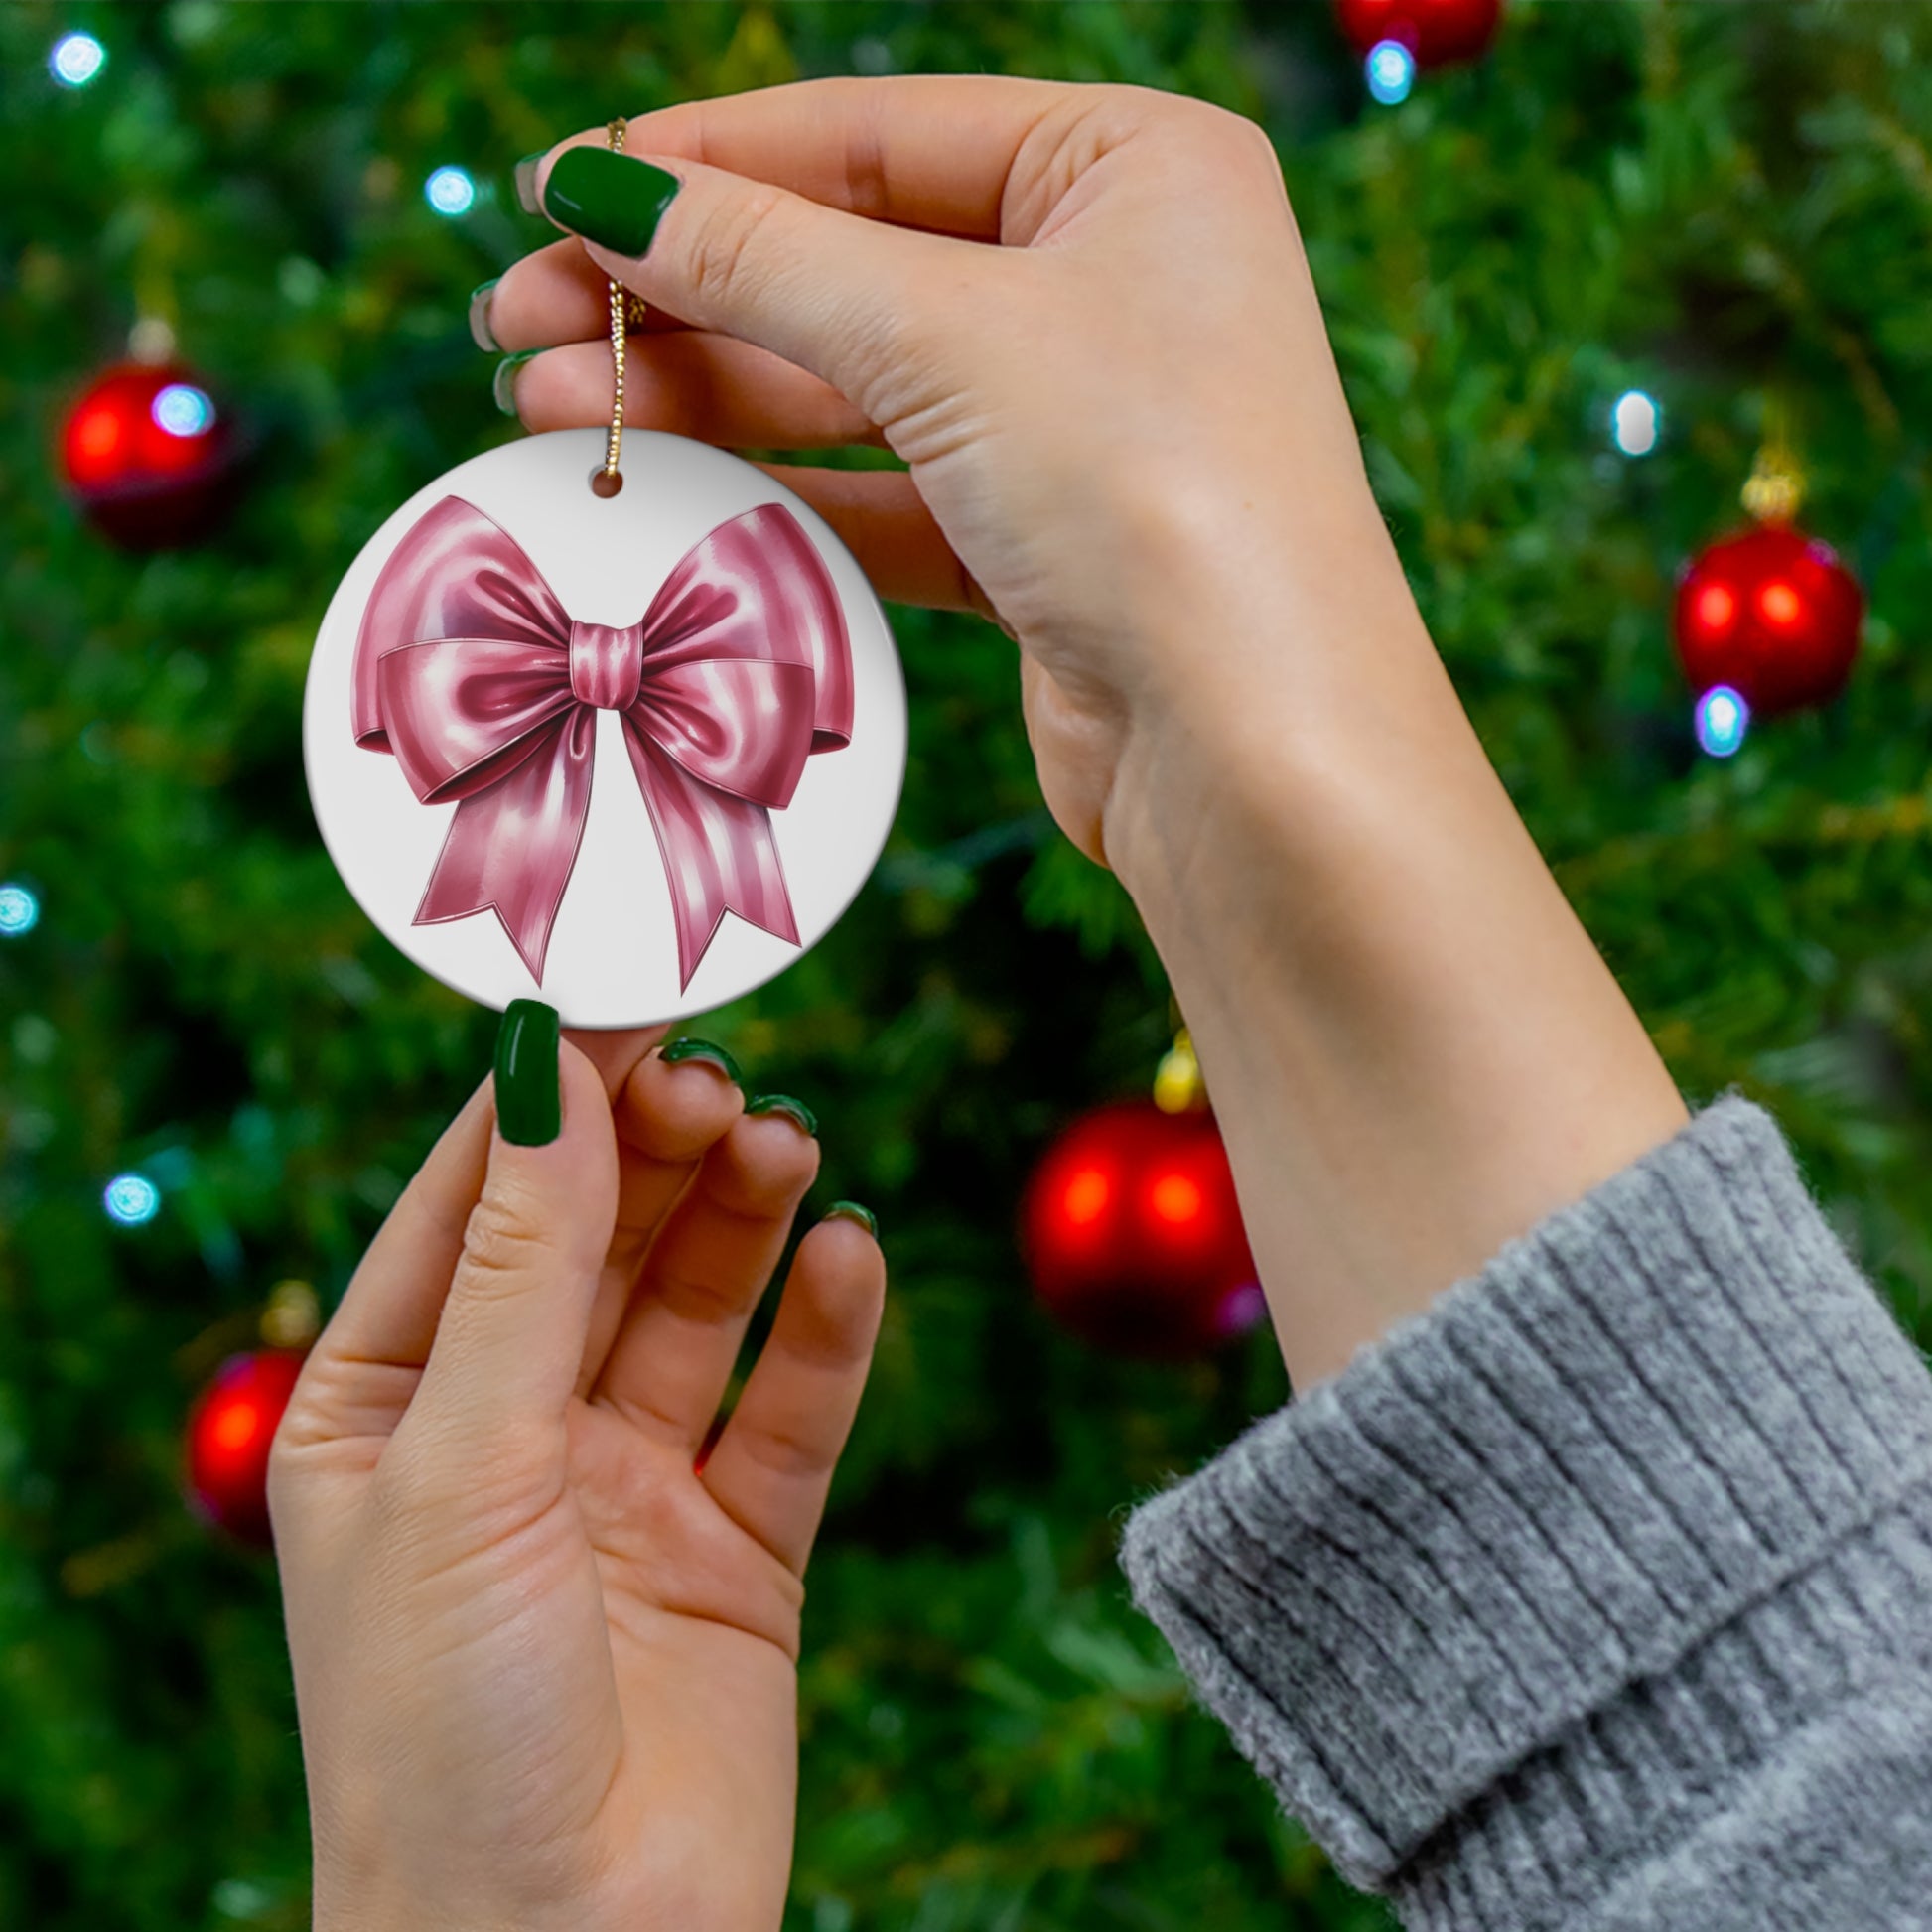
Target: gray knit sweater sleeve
{"x": 1600, "y": 1595}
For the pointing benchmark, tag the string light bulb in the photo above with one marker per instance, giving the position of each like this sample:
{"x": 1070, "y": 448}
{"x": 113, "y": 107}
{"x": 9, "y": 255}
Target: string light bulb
{"x": 1390, "y": 70}
{"x": 450, "y": 192}
{"x": 20, "y": 911}
{"x": 77, "y": 60}
{"x": 132, "y": 1200}
{"x": 180, "y": 409}
{"x": 1722, "y": 719}
{"x": 1636, "y": 422}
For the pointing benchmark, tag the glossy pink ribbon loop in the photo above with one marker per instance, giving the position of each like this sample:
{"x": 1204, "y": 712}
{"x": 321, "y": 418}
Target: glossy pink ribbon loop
{"x": 486, "y": 691}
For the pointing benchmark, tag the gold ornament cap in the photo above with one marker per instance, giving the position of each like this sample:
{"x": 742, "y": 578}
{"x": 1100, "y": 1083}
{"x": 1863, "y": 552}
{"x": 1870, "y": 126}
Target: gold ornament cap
{"x": 293, "y": 1316}
{"x": 1776, "y": 489}
{"x": 1177, "y": 1086}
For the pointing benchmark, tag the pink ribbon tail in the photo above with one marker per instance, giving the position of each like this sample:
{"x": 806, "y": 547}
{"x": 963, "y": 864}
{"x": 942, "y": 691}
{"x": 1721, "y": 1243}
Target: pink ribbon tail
{"x": 719, "y": 854}
{"x": 510, "y": 848}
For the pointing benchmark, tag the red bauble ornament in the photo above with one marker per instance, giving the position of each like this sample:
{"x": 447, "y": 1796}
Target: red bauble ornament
{"x": 1772, "y": 613}
{"x": 230, "y": 1431}
{"x": 1132, "y": 1236}
{"x": 149, "y": 455}
{"x": 1435, "y": 31}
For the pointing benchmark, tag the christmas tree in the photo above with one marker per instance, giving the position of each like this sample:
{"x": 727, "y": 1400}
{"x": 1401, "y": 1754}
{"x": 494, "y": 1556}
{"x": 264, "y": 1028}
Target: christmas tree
{"x": 1721, "y": 211}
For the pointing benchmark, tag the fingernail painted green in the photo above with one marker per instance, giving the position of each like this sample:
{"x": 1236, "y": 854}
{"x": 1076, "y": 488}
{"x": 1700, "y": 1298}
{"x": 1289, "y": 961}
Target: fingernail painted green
{"x": 502, "y": 385}
{"x": 479, "y": 330}
{"x": 850, "y": 1210}
{"x": 608, "y": 198}
{"x": 526, "y": 183}
{"x": 782, "y": 1103}
{"x": 529, "y": 1100}
{"x": 703, "y": 1050}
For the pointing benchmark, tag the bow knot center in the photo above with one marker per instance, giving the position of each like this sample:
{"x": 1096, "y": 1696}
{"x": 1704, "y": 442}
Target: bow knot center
{"x": 606, "y": 664}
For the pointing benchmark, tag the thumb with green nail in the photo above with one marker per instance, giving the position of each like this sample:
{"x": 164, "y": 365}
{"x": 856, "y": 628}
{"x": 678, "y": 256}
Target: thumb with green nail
{"x": 545, "y": 1646}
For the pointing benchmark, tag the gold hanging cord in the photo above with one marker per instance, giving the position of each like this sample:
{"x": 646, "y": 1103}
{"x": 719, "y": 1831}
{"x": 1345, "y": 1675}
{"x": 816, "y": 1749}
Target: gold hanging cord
{"x": 627, "y": 311}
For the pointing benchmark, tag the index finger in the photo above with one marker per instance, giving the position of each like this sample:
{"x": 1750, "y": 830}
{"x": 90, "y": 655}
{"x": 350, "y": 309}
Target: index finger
{"x": 920, "y": 151}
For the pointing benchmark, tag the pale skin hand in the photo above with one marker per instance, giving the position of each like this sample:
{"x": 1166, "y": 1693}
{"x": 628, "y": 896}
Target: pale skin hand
{"x": 545, "y": 1669}
{"x": 1126, "y": 438}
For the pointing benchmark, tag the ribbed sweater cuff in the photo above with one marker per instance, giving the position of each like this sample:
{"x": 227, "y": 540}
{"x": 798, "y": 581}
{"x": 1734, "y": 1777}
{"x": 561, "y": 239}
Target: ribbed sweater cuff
{"x": 1551, "y": 1502}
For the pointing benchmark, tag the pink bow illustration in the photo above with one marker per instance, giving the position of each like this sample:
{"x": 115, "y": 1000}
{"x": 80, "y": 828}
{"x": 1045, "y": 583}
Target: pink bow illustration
{"x": 484, "y": 688}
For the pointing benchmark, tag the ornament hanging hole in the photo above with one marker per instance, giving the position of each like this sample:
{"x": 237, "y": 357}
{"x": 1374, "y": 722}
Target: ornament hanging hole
{"x": 606, "y": 482}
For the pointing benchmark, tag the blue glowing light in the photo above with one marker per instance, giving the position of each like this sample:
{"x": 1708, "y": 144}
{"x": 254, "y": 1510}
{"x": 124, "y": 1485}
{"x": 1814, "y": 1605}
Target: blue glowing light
{"x": 449, "y": 191}
{"x": 184, "y": 410}
{"x": 1391, "y": 71}
{"x": 132, "y": 1200}
{"x": 75, "y": 60}
{"x": 1722, "y": 718}
{"x": 19, "y": 912}
{"x": 1636, "y": 422}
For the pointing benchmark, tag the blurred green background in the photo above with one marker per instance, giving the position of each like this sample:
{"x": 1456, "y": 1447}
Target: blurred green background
{"x": 1720, "y": 205}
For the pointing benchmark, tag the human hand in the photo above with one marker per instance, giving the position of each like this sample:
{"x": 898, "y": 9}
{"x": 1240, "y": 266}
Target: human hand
{"x": 544, "y": 1667}
{"x": 1126, "y": 438}
{"x": 1112, "y": 420}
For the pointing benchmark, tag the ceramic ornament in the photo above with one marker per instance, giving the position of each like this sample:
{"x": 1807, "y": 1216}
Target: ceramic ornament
{"x": 630, "y": 754}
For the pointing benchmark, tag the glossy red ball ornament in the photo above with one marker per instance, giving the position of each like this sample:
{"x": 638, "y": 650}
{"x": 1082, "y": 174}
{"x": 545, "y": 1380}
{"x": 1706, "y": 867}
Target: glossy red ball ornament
{"x": 1133, "y": 1236}
{"x": 230, "y": 1431}
{"x": 150, "y": 456}
{"x": 1772, "y": 613}
{"x": 1435, "y": 31}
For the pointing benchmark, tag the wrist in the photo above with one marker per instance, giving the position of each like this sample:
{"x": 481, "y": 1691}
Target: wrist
{"x": 1283, "y": 673}
{"x": 1414, "y": 1049}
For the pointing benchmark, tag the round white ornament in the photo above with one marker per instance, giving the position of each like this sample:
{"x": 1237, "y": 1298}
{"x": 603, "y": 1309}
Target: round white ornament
{"x": 629, "y": 754}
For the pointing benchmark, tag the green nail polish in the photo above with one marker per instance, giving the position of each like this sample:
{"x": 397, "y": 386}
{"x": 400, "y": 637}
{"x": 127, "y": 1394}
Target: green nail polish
{"x": 502, "y": 385}
{"x": 608, "y": 198}
{"x": 525, "y": 177}
{"x": 529, "y": 1101}
{"x": 479, "y": 330}
{"x": 850, "y": 1210}
{"x": 680, "y": 1050}
{"x": 793, "y": 1110}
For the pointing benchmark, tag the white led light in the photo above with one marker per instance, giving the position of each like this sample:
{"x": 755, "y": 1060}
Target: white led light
{"x": 1722, "y": 718}
{"x": 75, "y": 60}
{"x": 132, "y": 1200}
{"x": 182, "y": 410}
{"x": 1635, "y": 423}
{"x": 1391, "y": 71}
{"x": 449, "y": 191}
{"x": 19, "y": 912}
